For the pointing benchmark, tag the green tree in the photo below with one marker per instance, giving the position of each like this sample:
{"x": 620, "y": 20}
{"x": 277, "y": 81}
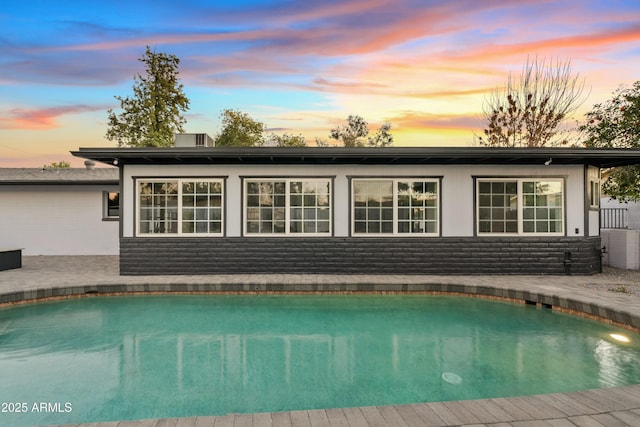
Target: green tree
{"x": 288, "y": 140}
{"x": 383, "y": 137}
{"x": 530, "y": 111}
{"x": 616, "y": 124}
{"x": 154, "y": 114}
{"x": 57, "y": 165}
{"x": 240, "y": 130}
{"x": 356, "y": 134}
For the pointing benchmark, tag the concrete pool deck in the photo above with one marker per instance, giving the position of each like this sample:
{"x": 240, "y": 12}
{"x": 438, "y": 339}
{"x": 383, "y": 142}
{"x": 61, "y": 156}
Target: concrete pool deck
{"x": 66, "y": 276}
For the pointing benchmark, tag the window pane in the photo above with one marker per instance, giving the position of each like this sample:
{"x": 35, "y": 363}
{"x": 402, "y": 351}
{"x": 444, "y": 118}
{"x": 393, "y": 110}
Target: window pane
{"x": 253, "y": 188}
{"x": 387, "y": 214}
{"x": 188, "y": 214}
{"x": 253, "y": 201}
{"x": 484, "y": 213}
{"x": 528, "y": 213}
{"x": 202, "y": 214}
{"x": 497, "y": 187}
{"x": 323, "y": 227}
{"x": 309, "y": 213}
{"x": 528, "y": 187}
{"x": 113, "y": 204}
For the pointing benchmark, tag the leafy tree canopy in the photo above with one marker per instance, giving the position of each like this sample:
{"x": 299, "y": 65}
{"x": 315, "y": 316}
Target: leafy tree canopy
{"x": 356, "y": 134}
{"x": 240, "y": 130}
{"x": 288, "y": 140}
{"x": 616, "y": 124}
{"x": 152, "y": 116}
{"x": 530, "y": 111}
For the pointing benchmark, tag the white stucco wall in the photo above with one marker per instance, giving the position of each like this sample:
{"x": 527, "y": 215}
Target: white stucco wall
{"x": 57, "y": 220}
{"x": 457, "y": 189}
{"x": 622, "y": 248}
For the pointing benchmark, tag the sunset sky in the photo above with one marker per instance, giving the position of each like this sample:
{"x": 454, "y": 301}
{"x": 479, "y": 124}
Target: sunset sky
{"x": 298, "y": 66}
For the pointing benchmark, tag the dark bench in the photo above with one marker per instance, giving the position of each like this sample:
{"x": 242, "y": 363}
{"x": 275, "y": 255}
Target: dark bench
{"x": 10, "y": 258}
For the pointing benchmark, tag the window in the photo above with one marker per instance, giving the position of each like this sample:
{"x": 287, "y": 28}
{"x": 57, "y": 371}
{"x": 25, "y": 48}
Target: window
{"x": 520, "y": 206}
{"x": 288, "y": 206}
{"x": 594, "y": 194}
{"x": 180, "y": 207}
{"x": 395, "y": 206}
{"x": 110, "y": 205}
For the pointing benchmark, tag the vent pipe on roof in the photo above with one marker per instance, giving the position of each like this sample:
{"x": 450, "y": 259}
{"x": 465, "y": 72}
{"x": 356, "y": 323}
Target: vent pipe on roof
{"x": 90, "y": 164}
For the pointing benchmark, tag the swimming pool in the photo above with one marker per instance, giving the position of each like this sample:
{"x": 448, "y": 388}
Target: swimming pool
{"x": 135, "y": 357}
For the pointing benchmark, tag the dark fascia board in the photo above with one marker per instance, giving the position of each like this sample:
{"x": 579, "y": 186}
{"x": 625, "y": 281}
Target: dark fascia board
{"x": 603, "y": 158}
{"x": 60, "y": 182}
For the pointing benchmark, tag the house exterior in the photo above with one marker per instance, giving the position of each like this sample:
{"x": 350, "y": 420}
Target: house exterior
{"x": 69, "y": 211}
{"x": 400, "y": 210}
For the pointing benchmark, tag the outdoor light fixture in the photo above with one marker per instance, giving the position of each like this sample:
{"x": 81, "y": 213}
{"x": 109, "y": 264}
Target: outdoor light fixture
{"x": 115, "y": 162}
{"x": 548, "y": 162}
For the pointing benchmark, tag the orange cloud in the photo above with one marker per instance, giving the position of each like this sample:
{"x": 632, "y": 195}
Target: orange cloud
{"x": 585, "y": 42}
{"x": 415, "y": 120}
{"x": 41, "y": 119}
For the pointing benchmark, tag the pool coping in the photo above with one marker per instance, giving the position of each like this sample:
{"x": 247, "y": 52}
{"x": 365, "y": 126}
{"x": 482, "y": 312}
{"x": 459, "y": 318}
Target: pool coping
{"x": 606, "y": 406}
{"x": 609, "y": 310}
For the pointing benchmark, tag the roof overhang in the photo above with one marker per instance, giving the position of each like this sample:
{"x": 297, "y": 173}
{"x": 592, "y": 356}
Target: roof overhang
{"x": 603, "y": 158}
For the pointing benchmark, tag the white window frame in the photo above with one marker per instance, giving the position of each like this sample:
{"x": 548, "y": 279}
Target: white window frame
{"x": 179, "y": 182}
{"x": 520, "y": 206}
{"x": 287, "y": 207}
{"x": 394, "y": 181}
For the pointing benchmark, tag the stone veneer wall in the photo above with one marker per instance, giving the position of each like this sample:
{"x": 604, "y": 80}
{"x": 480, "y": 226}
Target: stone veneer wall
{"x": 348, "y": 255}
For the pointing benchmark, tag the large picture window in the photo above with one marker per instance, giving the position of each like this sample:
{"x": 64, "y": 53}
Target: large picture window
{"x": 395, "y": 206}
{"x": 180, "y": 207}
{"x": 288, "y": 206}
{"x": 520, "y": 206}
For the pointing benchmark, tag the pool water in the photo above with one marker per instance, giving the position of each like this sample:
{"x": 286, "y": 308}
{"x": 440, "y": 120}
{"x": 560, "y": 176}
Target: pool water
{"x": 136, "y": 357}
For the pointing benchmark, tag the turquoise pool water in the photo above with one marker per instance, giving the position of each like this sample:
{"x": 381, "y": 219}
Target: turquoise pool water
{"x": 135, "y": 357}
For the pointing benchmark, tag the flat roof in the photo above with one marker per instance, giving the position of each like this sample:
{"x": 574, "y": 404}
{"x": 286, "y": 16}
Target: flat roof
{"x": 604, "y": 158}
{"x": 77, "y": 176}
